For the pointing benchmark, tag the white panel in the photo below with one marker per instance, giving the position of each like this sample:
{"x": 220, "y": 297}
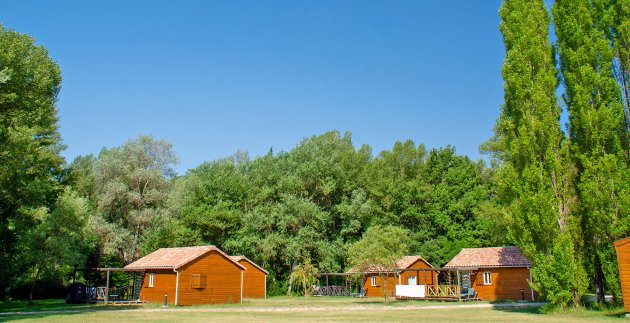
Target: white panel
{"x": 410, "y": 290}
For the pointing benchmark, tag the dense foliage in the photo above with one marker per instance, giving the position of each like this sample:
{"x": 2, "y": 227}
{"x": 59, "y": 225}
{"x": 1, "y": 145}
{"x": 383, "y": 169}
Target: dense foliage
{"x": 30, "y": 163}
{"x": 311, "y": 202}
{"x": 567, "y": 196}
{"x": 533, "y": 181}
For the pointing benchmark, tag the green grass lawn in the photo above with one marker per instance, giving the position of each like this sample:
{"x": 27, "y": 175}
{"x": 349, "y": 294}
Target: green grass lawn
{"x": 281, "y": 309}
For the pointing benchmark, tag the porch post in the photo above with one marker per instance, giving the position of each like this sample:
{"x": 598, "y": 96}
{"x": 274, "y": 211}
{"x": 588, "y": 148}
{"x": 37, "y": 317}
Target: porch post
{"x": 530, "y": 281}
{"x": 107, "y": 288}
{"x": 459, "y": 294}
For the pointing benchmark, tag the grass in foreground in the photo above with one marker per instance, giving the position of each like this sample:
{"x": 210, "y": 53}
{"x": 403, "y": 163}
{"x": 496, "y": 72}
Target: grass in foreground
{"x": 280, "y": 309}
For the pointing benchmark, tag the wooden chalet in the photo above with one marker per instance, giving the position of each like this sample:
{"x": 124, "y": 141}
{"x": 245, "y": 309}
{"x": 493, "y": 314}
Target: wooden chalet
{"x": 623, "y": 259}
{"x": 494, "y": 273}
{"x": 402, "y": 282}
{"x": 190, "y": 275}
{"x": 255, "y": 278}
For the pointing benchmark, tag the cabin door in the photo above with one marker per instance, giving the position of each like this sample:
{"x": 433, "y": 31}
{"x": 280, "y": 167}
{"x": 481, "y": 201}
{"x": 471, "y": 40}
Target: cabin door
{"x": 411, "y": 280}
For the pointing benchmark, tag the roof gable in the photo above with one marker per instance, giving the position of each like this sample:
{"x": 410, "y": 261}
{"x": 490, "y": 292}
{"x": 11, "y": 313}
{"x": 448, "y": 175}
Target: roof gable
{"x": 622, "y": 242}
{"x": 406, "y": 261}
{"x": 175, "y": 258}
{"x": 243, "y": 258}
{"x": 403, "y": 263}
{"x": 489, "y": 257}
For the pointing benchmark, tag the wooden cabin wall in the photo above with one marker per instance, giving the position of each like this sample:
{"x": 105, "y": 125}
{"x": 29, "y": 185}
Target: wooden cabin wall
{"x": 623, "y": 259}
{"x": 431, "y": 276}
{"x": 506, "y": 284}
{"x": 254, "y": 281}
{"x": 163, "y": 281}
{"x": 377, "y": 291}
{"x": 222, "y": 277}
{"x": 393, "y": 280}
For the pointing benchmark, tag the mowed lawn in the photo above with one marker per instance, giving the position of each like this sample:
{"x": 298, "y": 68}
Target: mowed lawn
{"x": 282, "y": 309}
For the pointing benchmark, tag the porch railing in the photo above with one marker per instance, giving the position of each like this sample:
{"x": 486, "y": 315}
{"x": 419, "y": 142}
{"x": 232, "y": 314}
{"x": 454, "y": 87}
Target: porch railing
{"x": 444, "y": 291}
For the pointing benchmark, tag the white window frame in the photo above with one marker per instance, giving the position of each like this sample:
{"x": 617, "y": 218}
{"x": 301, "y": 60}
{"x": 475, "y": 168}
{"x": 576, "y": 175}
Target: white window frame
{"x": 487, "y": 278}
{"x": 409, "y": 280}
{"x": 151, "y": 279}
{"x": 373, "y": 280}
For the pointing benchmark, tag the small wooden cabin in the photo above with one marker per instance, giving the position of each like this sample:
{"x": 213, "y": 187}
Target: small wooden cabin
{"x": 255, "y": 279}
{"x": 623, "y": 259}
{"x": 495, "y": 273}
{"x": 190, "y": 275}
{"x": 373, "y": 284}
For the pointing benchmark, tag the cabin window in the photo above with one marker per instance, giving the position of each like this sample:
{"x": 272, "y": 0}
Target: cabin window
{"x": 151, "y": 280}
{"x": 487, "y": 278}
{"x": 411, "y": 280}
{"x": 373, "y": 280}
{"x": 198, "y": 281}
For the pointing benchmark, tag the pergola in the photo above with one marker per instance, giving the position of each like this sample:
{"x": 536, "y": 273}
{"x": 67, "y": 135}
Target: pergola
{"x": 105, "y": 290}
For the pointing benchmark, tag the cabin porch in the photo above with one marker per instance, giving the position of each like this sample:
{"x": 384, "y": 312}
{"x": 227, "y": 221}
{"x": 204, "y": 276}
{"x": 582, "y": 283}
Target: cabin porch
{"x": 456, "y": 288}
{"x": 123, "y": 294}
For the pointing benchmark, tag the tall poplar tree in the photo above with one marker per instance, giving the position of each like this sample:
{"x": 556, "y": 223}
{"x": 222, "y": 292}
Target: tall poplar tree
{"x": 534, "y": 179}
{"x": 598, "y": 133}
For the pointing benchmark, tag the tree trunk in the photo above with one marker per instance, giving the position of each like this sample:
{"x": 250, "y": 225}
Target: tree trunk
{"x": 30, "y": 292}
{"x": 599, "y": 280}
{"x": 384, "y": 280}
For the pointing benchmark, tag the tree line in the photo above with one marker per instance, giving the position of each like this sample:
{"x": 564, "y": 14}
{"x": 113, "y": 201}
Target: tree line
{"x": 559, "y": 192}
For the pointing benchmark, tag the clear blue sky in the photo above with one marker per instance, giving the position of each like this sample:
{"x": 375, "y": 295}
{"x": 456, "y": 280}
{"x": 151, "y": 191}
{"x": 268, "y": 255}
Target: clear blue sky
{"x": 212, "y": 77}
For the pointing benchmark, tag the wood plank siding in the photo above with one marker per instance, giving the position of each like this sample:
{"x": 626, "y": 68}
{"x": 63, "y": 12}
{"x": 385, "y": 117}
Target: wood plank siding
{"x": 163, "y": 282}
{"x": 623, "y": 260}
{"x": 209, "y": 279}
{"x": 506, "y": 283}
{"x": 255, "y": 281}
{"x": 223, "y": 281}
{"x": 402, "y": 279}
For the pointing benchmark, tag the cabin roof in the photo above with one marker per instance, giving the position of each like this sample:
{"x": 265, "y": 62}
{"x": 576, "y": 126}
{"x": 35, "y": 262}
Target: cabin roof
{"x": 175, "y": 258}
{"x": 241, "y": 258}
{"x": 489, "y": 257}
{"x": 403, "y": 263}
{"x": 622, "y": 242}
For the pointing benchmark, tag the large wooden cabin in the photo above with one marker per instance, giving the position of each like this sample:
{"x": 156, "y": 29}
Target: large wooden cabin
{"x": 255, "y": 280}
{"x": 623, "y": 259}
{"x": 494, "y": 273}
{"x": 373, "y": 285}
{"x": 190, "y": 275}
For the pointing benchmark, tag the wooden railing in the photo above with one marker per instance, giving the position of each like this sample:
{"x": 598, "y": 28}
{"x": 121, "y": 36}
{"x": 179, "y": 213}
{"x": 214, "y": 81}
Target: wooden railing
{"x": 444, "y": 291}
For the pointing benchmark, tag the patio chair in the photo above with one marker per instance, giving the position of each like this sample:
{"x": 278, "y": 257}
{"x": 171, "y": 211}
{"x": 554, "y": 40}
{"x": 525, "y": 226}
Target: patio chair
{"x": 469, "y": 294}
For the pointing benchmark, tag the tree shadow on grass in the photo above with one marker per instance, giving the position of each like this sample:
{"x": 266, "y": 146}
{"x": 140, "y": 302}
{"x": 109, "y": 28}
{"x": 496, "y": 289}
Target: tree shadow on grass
{"x": 585, "y": 312}
{"x": 518, "y": 309}
{"x": 42, "y": 314}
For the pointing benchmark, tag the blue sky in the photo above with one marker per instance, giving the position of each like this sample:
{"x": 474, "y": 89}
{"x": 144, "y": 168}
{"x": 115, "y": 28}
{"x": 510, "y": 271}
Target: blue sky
{"x": 212, "y": 77}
